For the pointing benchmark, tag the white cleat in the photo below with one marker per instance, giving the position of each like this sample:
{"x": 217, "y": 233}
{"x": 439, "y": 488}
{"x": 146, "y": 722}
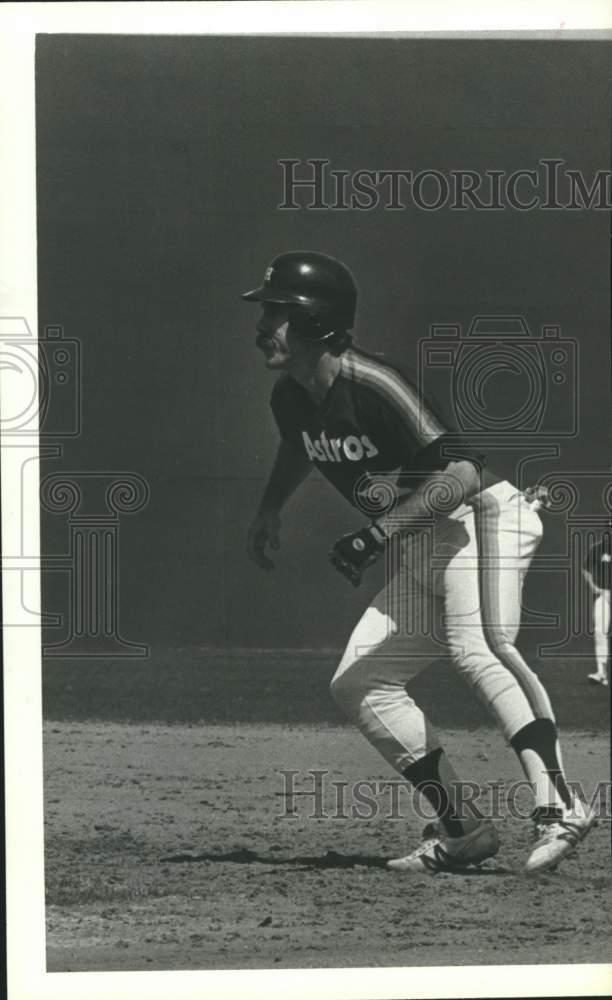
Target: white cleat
{"x": 440, "y": 853}
{"x": 599, "y": 679}
{"x": 557, "y": 839}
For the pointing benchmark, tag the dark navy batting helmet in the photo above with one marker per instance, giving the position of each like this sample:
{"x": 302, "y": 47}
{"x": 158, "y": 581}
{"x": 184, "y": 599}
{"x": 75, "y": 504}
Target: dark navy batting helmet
{"x": 320, "y": 290}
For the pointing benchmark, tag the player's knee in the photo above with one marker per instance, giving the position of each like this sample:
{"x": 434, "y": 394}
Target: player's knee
{"x": 348, "y": 691}
{"x": 340, "y": 687}
{"x": 465, "y": 652}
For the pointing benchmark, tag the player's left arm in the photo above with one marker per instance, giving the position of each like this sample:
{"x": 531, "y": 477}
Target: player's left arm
{"x": 441, "y": 492}
{"x": 447, "y": 474}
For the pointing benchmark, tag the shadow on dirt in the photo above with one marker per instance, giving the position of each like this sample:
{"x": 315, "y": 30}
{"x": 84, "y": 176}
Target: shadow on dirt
{"x": 331, "y": 859}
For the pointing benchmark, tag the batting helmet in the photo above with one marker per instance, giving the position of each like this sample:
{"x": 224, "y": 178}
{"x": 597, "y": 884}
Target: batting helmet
{"x": 320, "y": 290}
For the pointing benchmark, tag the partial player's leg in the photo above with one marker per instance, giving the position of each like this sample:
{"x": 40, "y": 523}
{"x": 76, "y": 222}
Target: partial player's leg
{"x": 597, "y": 572}
{"x": 370, "y": 686}
{"x": 482, "y": 586}
{"x": 601, "y": 635}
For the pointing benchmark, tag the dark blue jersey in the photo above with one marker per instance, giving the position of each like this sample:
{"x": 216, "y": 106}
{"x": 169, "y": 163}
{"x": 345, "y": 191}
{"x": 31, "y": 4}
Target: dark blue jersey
{"x": 372, "y": 425}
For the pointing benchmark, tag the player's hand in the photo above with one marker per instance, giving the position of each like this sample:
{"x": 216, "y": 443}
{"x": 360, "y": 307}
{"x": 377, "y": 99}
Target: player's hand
{"x": 263, "y": 531}
{"x": 353, "y": 553}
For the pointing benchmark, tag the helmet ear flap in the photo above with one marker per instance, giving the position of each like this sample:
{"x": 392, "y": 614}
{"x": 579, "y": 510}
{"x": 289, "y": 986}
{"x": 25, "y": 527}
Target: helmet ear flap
{"x": 307, "y": 324}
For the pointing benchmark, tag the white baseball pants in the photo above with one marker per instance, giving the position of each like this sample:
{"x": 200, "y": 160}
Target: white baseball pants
{"x": 457, "y": 593}
{"x": 601, "y": 629}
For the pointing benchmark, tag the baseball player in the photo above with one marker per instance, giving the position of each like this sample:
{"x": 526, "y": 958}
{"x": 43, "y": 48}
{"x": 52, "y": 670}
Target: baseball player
{"x": 596, "y": 571}
{"x": 457, "y": 542}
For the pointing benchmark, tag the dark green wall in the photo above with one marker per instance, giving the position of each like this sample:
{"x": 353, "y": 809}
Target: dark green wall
{"x": 158, "y": 186}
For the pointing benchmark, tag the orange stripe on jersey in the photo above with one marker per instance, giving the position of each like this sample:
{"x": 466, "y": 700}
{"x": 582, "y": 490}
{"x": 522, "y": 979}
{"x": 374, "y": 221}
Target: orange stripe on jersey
{"x": 399, "y": 393}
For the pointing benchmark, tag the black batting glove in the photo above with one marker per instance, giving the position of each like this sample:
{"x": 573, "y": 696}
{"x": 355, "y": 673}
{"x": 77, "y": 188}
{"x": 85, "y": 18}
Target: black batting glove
{"x": 353, "y": 553}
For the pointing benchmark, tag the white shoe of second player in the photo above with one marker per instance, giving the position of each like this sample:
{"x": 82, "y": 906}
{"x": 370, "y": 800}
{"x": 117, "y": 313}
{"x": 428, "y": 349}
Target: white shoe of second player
{"x": 440, "y": 853}
{"x": 598, "y": 678}
{"x": 555, "y": 840}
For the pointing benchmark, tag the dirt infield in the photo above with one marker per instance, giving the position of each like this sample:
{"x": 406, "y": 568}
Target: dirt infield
{"x": 171, "y": 847}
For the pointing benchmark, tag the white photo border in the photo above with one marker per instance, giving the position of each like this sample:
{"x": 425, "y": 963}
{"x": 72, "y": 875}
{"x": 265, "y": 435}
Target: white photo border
{"x": 20, "y": 22}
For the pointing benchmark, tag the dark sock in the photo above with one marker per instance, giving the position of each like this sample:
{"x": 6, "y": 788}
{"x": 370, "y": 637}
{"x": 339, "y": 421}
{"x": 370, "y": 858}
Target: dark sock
{"x": 541, "y": 737}
{"x": 546, "y": 814}
{"x": 424, "y": 775}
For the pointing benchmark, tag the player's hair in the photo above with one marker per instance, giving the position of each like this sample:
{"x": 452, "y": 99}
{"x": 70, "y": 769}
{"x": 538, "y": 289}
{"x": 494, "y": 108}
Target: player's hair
{"x": 335, "y": 339}
{"x": 339, "y": 341}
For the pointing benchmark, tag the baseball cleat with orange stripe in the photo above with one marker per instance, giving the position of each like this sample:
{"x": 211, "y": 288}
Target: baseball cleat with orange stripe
{"x": 450, "y": 854}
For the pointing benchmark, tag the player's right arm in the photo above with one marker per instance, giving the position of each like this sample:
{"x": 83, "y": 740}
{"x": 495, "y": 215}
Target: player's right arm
{"x": 290, "y": 469}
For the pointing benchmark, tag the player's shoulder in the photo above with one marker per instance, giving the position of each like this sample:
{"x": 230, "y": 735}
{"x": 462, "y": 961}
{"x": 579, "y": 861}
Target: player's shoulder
{"x": 381, "y": 378}
{"x": 375, "y": 369}
{"x": 394, "y": 386}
